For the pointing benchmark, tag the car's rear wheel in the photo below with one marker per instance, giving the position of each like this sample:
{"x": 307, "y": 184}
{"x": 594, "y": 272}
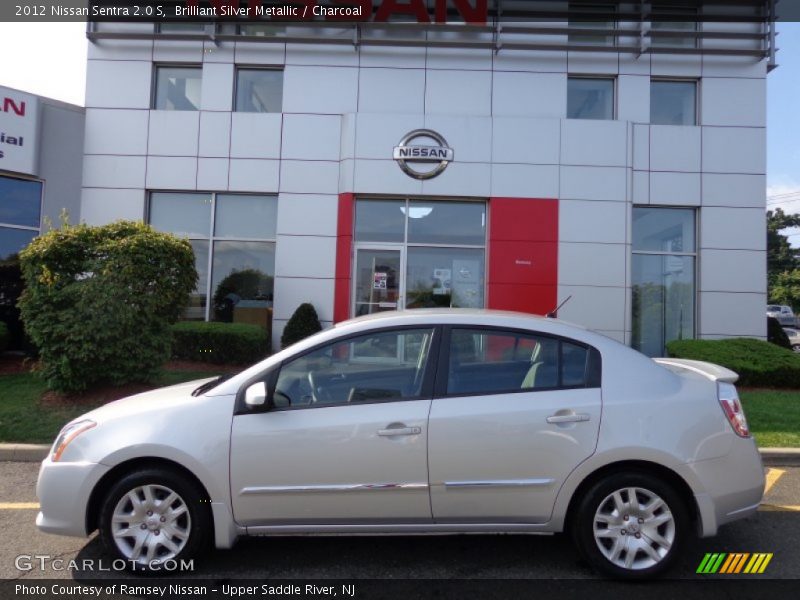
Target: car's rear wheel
{"x": 631, "y": 525}
{"x": 796, "y": 347}
{"x": 153, "y": 517}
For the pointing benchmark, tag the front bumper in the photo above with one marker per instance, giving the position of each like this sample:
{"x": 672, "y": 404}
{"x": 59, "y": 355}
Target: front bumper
{"x": 63, "y": 490}
{"x": 732, "y": 485}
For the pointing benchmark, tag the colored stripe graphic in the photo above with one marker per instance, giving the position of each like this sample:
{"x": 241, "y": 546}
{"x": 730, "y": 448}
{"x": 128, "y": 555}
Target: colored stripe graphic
{"x": 734, "y": 563}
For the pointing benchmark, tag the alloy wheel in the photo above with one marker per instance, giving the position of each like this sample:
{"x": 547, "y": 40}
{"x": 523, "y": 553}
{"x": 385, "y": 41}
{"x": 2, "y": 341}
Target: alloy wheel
{"x": 634, "y": 528}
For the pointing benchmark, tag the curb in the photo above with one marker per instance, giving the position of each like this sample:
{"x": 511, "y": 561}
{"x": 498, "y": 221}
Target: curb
{"x": 771, "y": 457}
{"x": 24, "y": 452}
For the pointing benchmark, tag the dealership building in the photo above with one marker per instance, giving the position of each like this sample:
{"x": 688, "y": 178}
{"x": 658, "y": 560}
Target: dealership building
{"x": 605, "y": 156}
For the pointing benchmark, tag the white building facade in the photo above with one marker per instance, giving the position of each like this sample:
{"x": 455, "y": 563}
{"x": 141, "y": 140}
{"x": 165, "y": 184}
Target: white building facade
{"x": 572, "y": 165}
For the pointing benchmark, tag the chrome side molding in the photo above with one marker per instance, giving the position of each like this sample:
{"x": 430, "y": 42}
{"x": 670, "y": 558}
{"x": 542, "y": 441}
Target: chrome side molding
{"x": 354, "y": 487}
{"x": 499, "y": 483}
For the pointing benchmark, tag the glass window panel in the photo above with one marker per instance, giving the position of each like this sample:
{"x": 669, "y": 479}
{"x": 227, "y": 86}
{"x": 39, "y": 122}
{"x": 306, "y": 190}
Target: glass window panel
{"x": 685, "y": 25}
{"x": 380, "y": 221}
{"x": 262, "y": 29}
{"x": 197, "y": 301}
{"x": 245, "y": 216}
{"x": 663, "y": 301}
{"x": 181, "y": 27}
{"x": 259, "y": 90}
{"x": 242, "y": 280}
{"x": 588, "y": 17}
{"x": 14, "y": 240}
{"x": 178, "y": 88}
{"x": 450, "y": 277}
{"x": 182, "y": 214}
{"x": 574, "y": 360}
{"x": 494, "y": 362}
{"x": 458, "y": 223}
{"x": 381, "y": 366}
{"x": 590, "y": 98}
{"x": 673, "y": 102}
{"x": 20, "y": 202}
{"x": 663, "y": 229}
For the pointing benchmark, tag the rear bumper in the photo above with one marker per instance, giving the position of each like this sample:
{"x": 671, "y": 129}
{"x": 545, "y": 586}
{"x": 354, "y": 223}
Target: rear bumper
{"x": 731, "y": 486}
{"x": 63, "y": 490}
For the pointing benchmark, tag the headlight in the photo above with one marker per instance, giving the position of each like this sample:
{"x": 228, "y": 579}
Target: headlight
{"x": 69, "y": 433}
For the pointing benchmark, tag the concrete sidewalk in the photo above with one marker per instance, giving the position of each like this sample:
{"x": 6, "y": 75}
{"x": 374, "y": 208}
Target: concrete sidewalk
{"x": 772, "y": 457}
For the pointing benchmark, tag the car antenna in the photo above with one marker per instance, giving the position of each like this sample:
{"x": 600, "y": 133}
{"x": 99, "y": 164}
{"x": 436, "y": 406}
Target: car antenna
{"x": 553, "y": 314}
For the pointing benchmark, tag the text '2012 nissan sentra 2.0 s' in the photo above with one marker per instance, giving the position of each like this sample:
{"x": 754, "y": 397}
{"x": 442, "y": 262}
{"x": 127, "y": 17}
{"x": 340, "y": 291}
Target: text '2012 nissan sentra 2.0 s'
{"x": 418, "y": 422}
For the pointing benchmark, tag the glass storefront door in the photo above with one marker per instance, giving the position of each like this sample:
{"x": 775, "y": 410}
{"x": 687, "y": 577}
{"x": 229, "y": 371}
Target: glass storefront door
{"x": 419, "y": 253}
{"x": 377, "y": 280}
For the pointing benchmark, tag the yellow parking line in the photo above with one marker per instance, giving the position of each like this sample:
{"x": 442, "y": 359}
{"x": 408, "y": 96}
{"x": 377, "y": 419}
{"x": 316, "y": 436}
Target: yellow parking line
{"x": 780, "y": 507}
{"x": 19, "y": 505}
{"x": 772, "y": 478}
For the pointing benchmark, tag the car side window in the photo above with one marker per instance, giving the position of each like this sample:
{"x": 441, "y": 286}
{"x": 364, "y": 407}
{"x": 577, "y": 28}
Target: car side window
{"x": 375, "y": 367}
{"x": 484, "y": 362}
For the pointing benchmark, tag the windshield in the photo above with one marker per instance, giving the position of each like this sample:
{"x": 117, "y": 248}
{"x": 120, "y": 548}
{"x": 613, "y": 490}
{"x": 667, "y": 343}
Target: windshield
{"x": 773, "y": 308}
{"x": 203, "y": 388}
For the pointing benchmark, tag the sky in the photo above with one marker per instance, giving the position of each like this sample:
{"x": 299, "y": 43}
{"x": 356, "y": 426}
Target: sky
{"x": 49, "y": 59}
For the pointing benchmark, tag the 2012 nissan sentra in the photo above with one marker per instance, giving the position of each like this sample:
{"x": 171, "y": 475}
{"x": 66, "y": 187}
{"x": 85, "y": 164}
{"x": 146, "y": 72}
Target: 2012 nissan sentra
{"x": 418, "y": 422}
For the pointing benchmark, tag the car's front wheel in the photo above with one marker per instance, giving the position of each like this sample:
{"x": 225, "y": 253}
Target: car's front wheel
{"x": 796, "y": 348}
{"x": 154, "y": 516}
{"x": 631, "y": 525}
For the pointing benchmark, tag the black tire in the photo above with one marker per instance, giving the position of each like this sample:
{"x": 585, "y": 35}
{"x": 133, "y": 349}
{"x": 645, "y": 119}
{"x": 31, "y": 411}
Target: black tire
{"x": 796, "y": 348}
{"x": 195, "y": 523}
{"x": 598, "y": 495}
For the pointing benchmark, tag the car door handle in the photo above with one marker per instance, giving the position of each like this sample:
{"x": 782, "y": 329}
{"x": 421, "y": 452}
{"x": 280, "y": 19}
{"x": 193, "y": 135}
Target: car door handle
{"x": 573, "y": 418}
{"x": 400, "y": 431}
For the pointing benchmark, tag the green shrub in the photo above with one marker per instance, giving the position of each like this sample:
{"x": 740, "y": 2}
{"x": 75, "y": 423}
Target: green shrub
{"x": 758, "y": 363}
{"x": 775, "y": 333}
{"x": 303, "y": 323}
{"x": 5, "y": 336}
{"x": 219, "y": 343}
{"x": 98, "y": 301}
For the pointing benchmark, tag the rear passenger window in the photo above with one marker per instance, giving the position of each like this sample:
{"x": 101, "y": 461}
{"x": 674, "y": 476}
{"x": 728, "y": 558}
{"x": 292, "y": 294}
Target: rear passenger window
{"x": 484, "y": 362}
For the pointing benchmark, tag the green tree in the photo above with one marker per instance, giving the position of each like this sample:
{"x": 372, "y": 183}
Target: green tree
{"x": 99, "y": 301}
{"x": 783, "y": 264}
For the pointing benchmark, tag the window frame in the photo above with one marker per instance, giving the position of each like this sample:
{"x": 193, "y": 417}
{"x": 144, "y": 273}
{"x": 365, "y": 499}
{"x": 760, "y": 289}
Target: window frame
{"x": 41, "y": 182}
{"x": 212, "y": 237}
{"x": 172, "y": 65}
{"x": 270, "y": 376}
{"x": 593, "y": 380}
{"x": 695, "y": 254}
{"x": 237, "y": 69}
{"x": 614, "y": 94}
{"x": 697, "y": 103}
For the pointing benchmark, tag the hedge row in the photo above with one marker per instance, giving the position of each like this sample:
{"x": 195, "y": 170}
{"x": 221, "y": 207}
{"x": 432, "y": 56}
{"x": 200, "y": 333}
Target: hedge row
{"x": 219, "y": 343}
{"x": 758, "y": 363}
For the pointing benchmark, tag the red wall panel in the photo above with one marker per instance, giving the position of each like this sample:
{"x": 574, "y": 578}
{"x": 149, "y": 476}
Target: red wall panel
{"x": 523, "y": 254}
{"x": 344, "y": 245}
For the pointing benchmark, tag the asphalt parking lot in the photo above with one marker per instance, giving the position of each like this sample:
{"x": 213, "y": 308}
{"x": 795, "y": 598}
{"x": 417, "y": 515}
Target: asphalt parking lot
{"x": 775, "y": 529}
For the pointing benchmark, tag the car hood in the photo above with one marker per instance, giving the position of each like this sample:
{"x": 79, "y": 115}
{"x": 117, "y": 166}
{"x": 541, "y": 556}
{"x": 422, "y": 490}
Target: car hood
{"x": 155, "y": 400}
{"x": 705, "y": 369}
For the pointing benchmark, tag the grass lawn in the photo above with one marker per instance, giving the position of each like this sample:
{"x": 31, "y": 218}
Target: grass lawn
{"x": 773, "y": 416}
{"x": 23, "y": 419}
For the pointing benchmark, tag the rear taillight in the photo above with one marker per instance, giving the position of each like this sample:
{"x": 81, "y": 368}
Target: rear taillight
{"x": 732, "y": 407}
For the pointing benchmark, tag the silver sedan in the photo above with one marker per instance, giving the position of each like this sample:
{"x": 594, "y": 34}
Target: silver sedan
{"x": 418, "y": 422}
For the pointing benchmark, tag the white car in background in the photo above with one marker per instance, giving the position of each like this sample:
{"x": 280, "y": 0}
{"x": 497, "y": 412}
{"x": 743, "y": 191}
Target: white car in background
{"x": 794, "y": 338}
{"x": 418, "y": 422}
{"x": 783, "y": 313}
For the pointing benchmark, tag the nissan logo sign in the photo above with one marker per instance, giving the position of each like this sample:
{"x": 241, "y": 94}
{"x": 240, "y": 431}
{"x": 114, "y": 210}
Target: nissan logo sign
{"x": 438, "y": 154}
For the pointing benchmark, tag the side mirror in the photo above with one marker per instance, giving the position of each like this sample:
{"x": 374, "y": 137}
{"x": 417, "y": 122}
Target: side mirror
{"x": 256, "y": 395}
